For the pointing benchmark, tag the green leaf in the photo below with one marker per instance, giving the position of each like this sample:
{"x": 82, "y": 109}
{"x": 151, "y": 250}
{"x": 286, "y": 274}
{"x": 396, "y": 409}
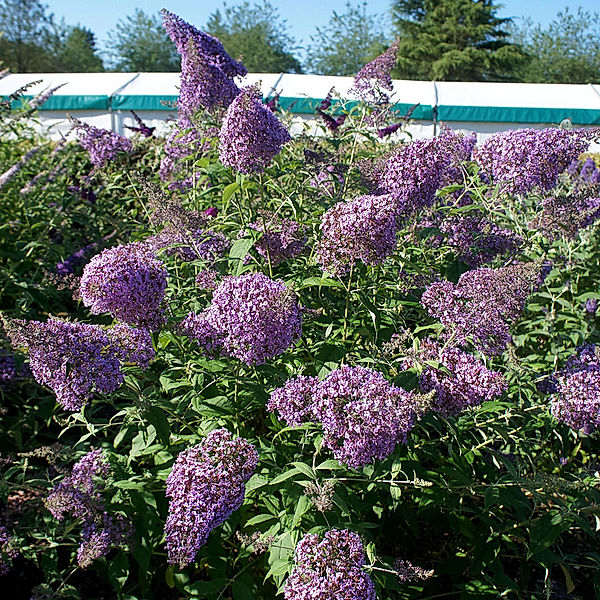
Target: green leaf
{"x": 229, "y": 190}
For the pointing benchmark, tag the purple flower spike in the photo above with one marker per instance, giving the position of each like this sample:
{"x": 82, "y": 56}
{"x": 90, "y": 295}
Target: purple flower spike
{"x": 205, "y": 486}
{"x": 329, "y": 569}
{"x": 101, "y": 144}
{"x": 251, "y": 135}
{"x": 127, "y": 281}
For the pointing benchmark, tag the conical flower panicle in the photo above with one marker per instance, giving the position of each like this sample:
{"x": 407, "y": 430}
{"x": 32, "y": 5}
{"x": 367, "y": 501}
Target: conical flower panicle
{"x": 251, "y": 135}
{"x": 205, "y": 486}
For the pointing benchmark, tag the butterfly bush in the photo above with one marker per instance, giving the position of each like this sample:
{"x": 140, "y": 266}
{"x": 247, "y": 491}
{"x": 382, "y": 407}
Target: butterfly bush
{"x": 415, "y": 171}
{"x": 331, "y": 568}
{"x": 361, "y": 229}
{"x": 483, "y": 305}
{"x": 75, "y": 359}
{"x": 251, "y": 317}
{"x": 205, "y": 486}
{"x": 8, "y": 552}
{"x": 461, "y": 381}
{"x": 362, "y": 415}
{"x": 127, "y": 281}
{"x": 80, "y": 495}
{"x": 577, "y": 398}
{"x": 376, "y": 76}
{"x": 190, "y": 245}
{"x": 525, "y": 159}
{"x": 102, "y": 145}
{"x": 251, "y": 135}
{"x": 281, "y": 238}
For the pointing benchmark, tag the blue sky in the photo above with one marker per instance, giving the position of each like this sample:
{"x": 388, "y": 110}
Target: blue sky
{"x": 302, "y": 15}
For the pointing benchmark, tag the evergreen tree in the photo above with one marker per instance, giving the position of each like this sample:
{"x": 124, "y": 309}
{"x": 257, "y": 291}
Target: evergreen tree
{"x": 257, "y": 34}
{"x": 454, "y": 40}
{"x": 565, "y": 51}
{"x": 349, "y": 41}
{"x": 76, "y": 52}
{"x": 27, "y": 32}
{"x": 140, "y": 43}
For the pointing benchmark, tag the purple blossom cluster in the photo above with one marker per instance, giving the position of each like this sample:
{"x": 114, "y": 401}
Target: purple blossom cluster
{"x": 67, "y": 266}
{"x": 207, "y": 71}
{"x": 524, "y": 159}
{"x": 184, "y": 141}
{"x": 207, "y": 279}
{"x": 101, "y": 144}
{"x": 10, "y": 372}
{"x": 362, "y": 229}
{"x": 418, "y": 169}
{"x": 75, "y": 359}
{"x": 42, "y": 98}
{"x": 10, "y": 173}
{"x": 577, "y": 398}
{"x": 327, "y": 180}
{"x": 141, "y": 128}
{"x": 281, "y": 238}
{"x": 205, "y": 486}
{"x": 127, "y": 281}
{"x": 80, "y": 495}
{"x": 251, "y": 135}
{"x": 376, "y": 76}
{"x": 362, "y": 415}
{"x": 331, "y": 568}
{"x": 251, "y": 317}
{"x": 474, "y": 239}
{"x": 461, "y": 381}
{"x": 483, "y": 305}
{"x": 591, "y": 307}
{"x": 584, "y": 174}
{"x": 190, "y": 245}
{"x": 407, "y": 572}
{"x": 566, "y": 215}
{"x": 7, "y": 550}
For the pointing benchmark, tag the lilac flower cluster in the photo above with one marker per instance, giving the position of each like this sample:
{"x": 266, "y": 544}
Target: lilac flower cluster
{"x": 207, "y": 71}
{"x": 251, "y": 317}
{"x": 362, "y": 415}
{"x": 207, "y": 279}
{"x": 566, "y": 215}
{"x": 10, "y": 174}
{"x": 584, "y": 174}
{"x": 376, "y": 76}
{"x": 80, "y": 495}
{"x": 524, "y": 159}
{"x": 76, "y": 359}
{"x": 461, "y": 382}
{"x": 190, "y": 245}
{"x": 329, "y": 569}
{"x": 483, "y": 304}
{"x": 7, "y": 550}
{"x": 184, "y": 141}
{"x": 418, "y": 169}
{"x": 327, "y": 179}
{"x": 474, "y": 239}
{"x": 251, "y": 135}
{"x": 42, "y": 98}
{"x": 141, "y": 128}
{"x": 577, "y": 398}
{"x": 10, "y": 372}
{"x": 361, "y": 229}
{"x": 205, "y": 486}
{"x": 67, "y": 266}
{"x": 407, "y": 572}
{"x": 281, "y": 238}
{"x": 591, "y": 307}
{"x": 127, "y": 281}
{"x": 101, "y": 144}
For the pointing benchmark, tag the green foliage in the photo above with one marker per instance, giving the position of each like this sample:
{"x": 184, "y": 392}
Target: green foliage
{"x": 256, "y": 33}
{"x": 349, "y": 41}
{"x": 76, "y": 52}
{"x": 564, "y": 51}
{"x": 454, "y": 40}
{"x": 140, "y": 43}
{"x": 501, "y": 501}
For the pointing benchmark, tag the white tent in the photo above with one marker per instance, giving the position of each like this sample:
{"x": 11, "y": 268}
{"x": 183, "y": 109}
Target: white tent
{"x": 106, "y": 99}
